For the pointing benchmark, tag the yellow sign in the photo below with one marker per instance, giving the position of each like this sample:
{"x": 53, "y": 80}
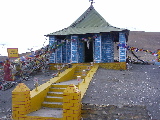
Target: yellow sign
{"x": 158, "y": 52}
{"x": 12, "y": 52}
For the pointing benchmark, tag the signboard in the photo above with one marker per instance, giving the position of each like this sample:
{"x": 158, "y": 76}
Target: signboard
{"x": 158, "y": 52}
{"x": 12, "y": 52}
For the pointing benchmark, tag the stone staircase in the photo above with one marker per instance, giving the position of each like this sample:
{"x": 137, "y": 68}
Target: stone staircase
{"x": 54, "y": 98}
{"x": 78, "y": 71}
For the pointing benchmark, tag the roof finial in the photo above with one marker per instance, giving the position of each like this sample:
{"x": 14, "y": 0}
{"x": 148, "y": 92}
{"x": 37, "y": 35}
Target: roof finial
{"x": 91, "y": 2}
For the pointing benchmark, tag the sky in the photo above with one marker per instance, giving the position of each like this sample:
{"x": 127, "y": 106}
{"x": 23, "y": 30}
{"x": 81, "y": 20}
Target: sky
{"x": 23, "y": 23}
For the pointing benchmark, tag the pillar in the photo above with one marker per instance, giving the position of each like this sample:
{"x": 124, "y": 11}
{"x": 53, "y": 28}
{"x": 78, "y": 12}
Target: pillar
{"x": 71, "y": 103}
{"x": 80, "y": 52}
{"x": 122, "y": 49}
{"x": 68, "y": 51}
{"x": 52, "y": 58}
{"x": 20, "y": 101}
{"x": 59, "y": 52}
{"x": 97, "y": 49}
{"x": 74, "y": 49}
{"x": 64, "y": 52}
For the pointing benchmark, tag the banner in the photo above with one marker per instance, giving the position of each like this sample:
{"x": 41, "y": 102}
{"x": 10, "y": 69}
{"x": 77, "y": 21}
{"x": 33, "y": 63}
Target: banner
{"x": 12, "y": 52}
{"x": 137, "y": 49}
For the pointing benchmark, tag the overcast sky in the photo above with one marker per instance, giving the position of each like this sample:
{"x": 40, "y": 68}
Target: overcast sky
{"x": 23, "y": 23}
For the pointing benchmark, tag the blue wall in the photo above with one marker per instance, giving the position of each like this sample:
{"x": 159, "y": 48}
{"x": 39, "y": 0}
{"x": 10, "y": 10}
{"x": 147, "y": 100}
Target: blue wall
{"x": 59, "y": 52}
{"x": 73, "y": 49}
{"x": 64, "y": 52}
{"x": 107, "y": 48}
{"x": 80, "y": 51}
{"x": 68, "y": 51}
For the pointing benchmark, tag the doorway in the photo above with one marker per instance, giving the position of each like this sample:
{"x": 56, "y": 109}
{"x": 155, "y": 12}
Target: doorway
{"x": 88, "y": 51}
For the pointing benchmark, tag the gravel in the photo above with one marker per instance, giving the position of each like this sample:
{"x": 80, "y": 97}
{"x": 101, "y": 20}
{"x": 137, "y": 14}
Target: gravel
{"x": 138, "y": 86}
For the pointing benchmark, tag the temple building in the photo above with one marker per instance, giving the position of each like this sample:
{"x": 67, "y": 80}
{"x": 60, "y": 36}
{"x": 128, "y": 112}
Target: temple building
{"x": 89, "y": 39}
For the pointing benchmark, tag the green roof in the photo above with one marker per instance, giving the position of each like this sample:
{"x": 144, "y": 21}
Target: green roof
{"x": 89, "y": 22}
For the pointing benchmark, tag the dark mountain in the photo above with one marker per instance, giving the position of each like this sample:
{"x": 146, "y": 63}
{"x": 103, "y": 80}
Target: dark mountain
{"x": 146, "y": 40}
{"x": 142, "y": 40}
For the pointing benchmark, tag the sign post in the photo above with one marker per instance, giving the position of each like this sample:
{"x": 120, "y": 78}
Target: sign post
{"x": 36, "y": 83}
{"x": 12, "y": 52}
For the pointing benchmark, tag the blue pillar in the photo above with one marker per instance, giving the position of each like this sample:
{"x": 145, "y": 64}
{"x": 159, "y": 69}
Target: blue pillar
{"x": 80, "y": 52}
{"x": 97, "y": 49}
{"x": 74, "y": 49}
{"x": 122, "y": 49}
{"x": 68, "y": 51}
{"x": 52, "y": 58}
{"x": 59, "y": 52}
{"x": 64, "y": 52}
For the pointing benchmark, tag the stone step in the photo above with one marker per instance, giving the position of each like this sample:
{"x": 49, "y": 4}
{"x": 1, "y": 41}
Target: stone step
{"x": 78, "y": 71}
{"x": 57, "y": 94}
{"x": 52, "y": 104}
{"x": 53, "y": 99}
{"x": 75, "y": 77}
{"x": 59, "y": 86}
{"x": 77, "y": 74}
{"x": 56, "y": 89}
{"x": 56, "y": 113}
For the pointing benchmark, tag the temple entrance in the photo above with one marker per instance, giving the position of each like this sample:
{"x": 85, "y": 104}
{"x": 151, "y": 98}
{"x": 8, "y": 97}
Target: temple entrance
{"x": 88, "y": 52}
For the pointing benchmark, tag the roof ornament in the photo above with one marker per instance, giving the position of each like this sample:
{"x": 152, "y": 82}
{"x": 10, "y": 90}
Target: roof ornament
{"x": 91, "y": 2}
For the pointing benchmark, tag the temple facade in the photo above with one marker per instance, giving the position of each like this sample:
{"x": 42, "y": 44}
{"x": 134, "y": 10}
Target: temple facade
{"x": 89, "y": 39}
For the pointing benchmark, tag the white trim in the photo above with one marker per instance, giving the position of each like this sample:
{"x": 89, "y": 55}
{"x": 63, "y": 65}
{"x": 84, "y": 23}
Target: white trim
{"x": 123, "y": 41}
